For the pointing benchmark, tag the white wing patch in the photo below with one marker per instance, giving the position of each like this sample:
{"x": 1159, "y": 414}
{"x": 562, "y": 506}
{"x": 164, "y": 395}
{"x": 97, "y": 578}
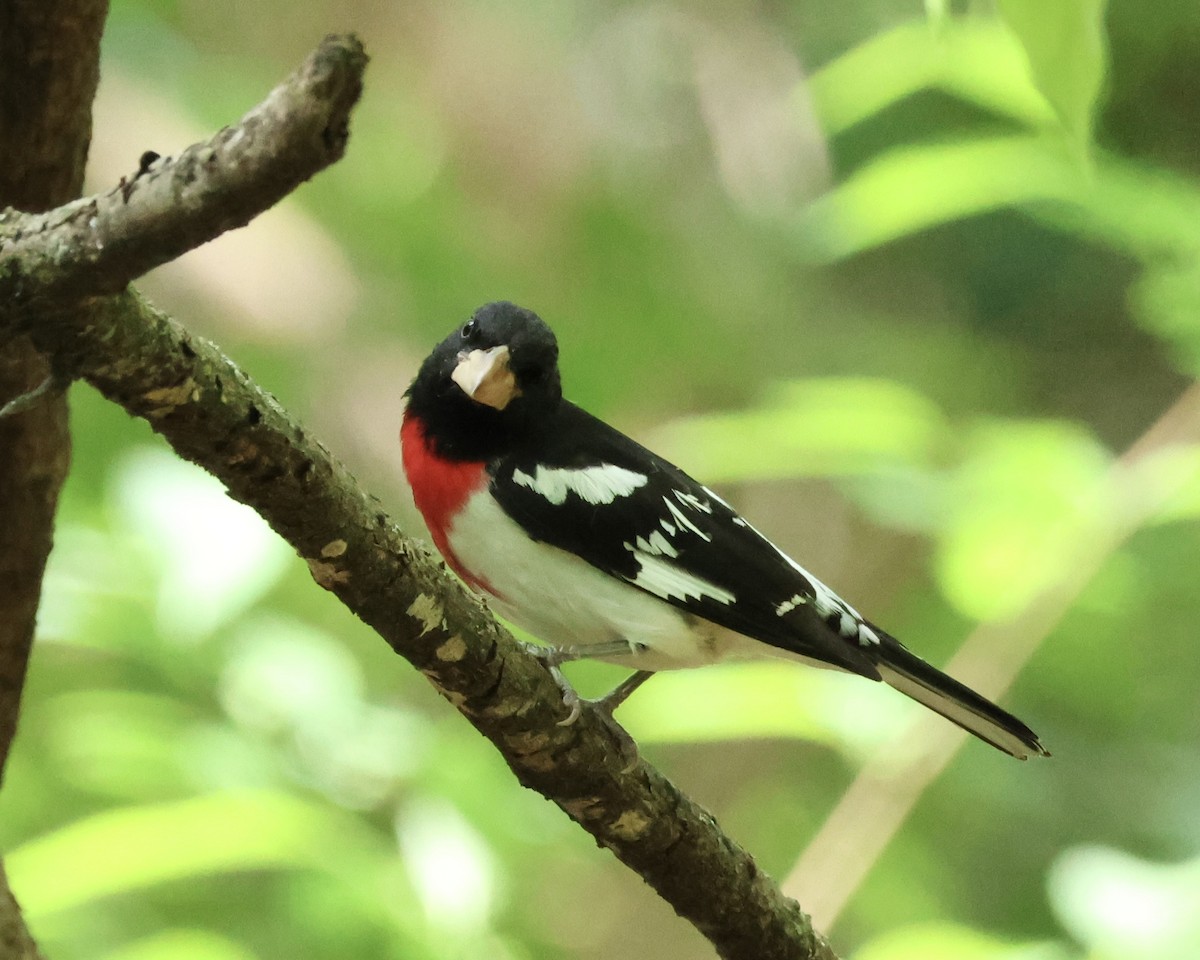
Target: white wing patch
{"x": 664, "y": 579}
{"x": 715, "y": 496}
{"x": 602, "y": 483}
{"x": 796, "y": 600}
{"x": 683, "y": 522}
{"x": 656, "y": 544}
{"x": 693, "y": 501}
{"x": 658, "y": 575}
{"x": 828, "y": 604}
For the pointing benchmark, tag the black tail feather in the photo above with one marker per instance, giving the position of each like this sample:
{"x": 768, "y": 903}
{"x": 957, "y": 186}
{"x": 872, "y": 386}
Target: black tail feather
{"x": 912, "y": 676}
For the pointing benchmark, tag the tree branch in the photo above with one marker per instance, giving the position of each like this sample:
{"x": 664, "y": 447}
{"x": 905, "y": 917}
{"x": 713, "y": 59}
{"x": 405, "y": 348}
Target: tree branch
{"x": 213, "y": 415}
{"x": 97, "y": 245}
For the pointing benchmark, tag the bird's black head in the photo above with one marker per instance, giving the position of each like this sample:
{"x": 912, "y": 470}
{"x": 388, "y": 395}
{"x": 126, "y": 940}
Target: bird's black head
{"x": 488, "y": 384}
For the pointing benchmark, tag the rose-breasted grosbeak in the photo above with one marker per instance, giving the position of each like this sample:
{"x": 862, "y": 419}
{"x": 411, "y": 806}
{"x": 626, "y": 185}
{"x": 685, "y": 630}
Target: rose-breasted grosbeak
{"x": 586, "y": 538}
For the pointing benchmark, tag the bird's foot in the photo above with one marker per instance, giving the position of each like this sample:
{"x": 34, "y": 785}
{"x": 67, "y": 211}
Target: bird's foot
{"x": 555, "y": 657}
{"x": 571, "y": 698}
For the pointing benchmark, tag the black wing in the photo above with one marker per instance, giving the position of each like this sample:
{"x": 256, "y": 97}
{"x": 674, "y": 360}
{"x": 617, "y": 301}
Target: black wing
{"x": 596, "y": 493}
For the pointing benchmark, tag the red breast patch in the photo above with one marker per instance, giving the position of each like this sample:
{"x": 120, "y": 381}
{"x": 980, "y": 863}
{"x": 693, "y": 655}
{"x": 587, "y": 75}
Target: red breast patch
{"x": 440, "y": 489}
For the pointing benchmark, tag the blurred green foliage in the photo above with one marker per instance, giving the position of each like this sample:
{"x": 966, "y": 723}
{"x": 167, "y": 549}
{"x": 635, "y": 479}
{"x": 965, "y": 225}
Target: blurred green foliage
{"x": 904, "y": 282}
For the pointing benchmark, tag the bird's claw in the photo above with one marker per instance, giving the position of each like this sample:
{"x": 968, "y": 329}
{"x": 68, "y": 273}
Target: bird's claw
{"x": 571, "y": 698}
{"x": 553, "y": 658}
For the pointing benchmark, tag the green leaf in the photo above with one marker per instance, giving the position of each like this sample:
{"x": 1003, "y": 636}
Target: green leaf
{"x": 1153, "y": 215}
{"x": 973, "y": 58}
{"x": 1064, "y": 41}
{"x": 127, "y": 849}
{"x": 909, "y": 190}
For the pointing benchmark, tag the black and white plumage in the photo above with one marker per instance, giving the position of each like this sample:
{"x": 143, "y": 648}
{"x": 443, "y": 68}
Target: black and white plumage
{"x": 585, "y": 538}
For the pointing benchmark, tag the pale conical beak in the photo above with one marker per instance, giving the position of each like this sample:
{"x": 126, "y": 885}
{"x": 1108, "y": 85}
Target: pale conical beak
{"x": 484, "y": 376}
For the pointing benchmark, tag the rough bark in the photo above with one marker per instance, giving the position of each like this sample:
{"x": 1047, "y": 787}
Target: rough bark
{"x": 49, "y": 68}
{"x": 214, "y": 415}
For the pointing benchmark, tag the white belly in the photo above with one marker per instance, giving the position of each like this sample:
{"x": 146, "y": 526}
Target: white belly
{"x": 565, "y": 601}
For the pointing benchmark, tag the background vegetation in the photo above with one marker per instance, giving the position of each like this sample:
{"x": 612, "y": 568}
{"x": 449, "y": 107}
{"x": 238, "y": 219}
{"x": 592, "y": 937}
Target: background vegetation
{"x": 902, "y": 281}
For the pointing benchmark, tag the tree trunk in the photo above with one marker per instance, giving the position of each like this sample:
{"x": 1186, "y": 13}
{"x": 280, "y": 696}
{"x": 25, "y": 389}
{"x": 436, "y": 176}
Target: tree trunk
{"x": 49, "y": 68}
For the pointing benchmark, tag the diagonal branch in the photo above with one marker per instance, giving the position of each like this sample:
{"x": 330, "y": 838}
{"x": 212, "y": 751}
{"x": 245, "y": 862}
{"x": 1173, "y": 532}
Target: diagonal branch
{"x": 213, "y": 415}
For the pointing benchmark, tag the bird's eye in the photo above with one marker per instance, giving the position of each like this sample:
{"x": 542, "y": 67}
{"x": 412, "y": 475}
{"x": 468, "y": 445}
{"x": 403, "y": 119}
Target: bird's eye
{"x": 470, "y": 330}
